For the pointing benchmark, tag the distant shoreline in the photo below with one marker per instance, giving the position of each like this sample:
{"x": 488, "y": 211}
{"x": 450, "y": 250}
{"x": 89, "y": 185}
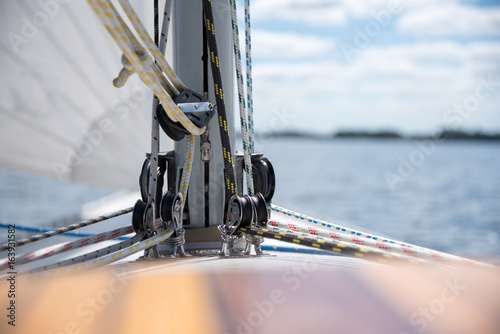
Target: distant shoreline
{"x": 442, "y": 135}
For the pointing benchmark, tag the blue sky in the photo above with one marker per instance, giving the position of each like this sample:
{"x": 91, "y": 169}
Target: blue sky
{"x": 412, "y": 66}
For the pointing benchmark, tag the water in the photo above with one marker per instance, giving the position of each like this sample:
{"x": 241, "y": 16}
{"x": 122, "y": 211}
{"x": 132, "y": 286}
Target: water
{"x": 30, "y": 199}
{"x": 449, "y": 199}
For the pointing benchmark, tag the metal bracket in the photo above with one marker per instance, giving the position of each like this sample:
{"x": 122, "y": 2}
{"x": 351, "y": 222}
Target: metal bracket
{"x": 243, "y": 211}
{"x": 195, "y": 106}
{"x": 171, "y": 211}
{"x": 205, "y": 150}
{"x": 229, "y": 231}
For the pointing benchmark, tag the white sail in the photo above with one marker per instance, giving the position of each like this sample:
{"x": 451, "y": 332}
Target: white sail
{"x": 59, "y": 112}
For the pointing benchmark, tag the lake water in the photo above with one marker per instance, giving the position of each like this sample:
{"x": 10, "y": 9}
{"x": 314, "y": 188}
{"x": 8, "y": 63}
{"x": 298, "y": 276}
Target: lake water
{"x": 447, "y": 196}
{"x": 444, "y": 196}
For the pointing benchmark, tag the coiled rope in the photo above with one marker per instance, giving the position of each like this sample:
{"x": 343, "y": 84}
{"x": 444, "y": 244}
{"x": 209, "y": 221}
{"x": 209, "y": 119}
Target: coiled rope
{"x": 68, "y": 228}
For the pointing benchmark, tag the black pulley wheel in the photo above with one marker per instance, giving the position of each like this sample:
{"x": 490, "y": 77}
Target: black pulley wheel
{"x": 140, "y": 215}
{"x": 246, "y": 211}
{"x": 261, "y": 209}
{"x": 259, "y": 177}
{"x": 271, "y": 180}
{"x": 174, "y": 130}
{"x": 144, "y": 180}
{"x": 167, "y": 205}
{"x": 264, "y": 179}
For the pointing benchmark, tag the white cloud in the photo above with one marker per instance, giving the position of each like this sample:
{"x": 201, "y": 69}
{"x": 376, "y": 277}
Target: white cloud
{"x": 407, "y": 87}
{"x": 450, "y": 19}
{"x": 314, "y": 12}
{"x": 424, "y": 17}
{"x": 288, "y": 45}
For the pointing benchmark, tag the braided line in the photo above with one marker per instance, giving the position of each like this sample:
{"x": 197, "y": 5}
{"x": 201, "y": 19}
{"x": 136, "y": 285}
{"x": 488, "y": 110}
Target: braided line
{"x": 221, "y": 105}
{"x": 68, "y": 228}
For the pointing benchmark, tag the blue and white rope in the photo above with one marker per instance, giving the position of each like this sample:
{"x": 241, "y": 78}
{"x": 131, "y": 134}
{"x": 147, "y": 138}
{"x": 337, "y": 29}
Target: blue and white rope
{"x": 248, "y": 42}
{"x": 241, "y": 98}
{"x": 352, "y": 236}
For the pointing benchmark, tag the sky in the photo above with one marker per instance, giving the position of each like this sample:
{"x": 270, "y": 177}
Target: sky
{"x": 411, "y": 66}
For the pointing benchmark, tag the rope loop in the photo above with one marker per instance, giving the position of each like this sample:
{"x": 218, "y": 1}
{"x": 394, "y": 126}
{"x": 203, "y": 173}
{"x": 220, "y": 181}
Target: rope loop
{"x": 146, "y": 63}
{"x": 160, "y": 77}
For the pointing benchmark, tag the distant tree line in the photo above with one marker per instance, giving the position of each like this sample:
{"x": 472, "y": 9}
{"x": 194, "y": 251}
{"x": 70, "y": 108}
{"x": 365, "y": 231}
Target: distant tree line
{"x": 386, "y": 134}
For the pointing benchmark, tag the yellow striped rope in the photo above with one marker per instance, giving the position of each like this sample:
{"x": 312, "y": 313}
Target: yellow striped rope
{"x": 131, "y": 48}
{"x": 109, "y": 258}
{"x": 188, "y": 165}
{"x": 143, "y": 34}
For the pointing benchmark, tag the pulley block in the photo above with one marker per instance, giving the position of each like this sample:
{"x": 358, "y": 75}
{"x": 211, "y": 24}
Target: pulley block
{"x": 246, "y": 211}
{"x": 142, "y": 215}
{"x": 144, "y": 180}
{"x": 264, "y": 179}
{"x": 170, "y": 208}
{"x": 195, "y": 106}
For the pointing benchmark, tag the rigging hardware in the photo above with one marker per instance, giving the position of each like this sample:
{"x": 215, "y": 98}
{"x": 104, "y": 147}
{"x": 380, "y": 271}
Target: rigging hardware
{"x": 142, "y": 215}
{"x": 171, "y": 211}
{"x": 144, "y": 178}
{"x": 243, "y": 211}
{"x": 196, "y": 107}
{"x": 171, "y": 205}
{"x": 264, "y": 178}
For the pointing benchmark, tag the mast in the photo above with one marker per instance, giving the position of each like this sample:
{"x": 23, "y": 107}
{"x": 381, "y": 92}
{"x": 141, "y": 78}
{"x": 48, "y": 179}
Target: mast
{"x": 205, "y": 202}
